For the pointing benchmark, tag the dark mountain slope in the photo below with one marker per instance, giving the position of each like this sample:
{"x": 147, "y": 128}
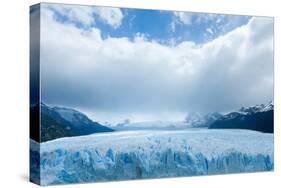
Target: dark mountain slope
{"x": 259, "y": 118}
{"x": 58, "y": 122}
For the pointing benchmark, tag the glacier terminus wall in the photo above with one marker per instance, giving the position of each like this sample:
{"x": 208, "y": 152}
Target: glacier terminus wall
{"x": 152, "y": 154}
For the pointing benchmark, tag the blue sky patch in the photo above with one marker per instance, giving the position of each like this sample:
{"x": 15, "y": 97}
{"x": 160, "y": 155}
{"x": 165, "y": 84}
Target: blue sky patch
{"x": 165, "y": 27}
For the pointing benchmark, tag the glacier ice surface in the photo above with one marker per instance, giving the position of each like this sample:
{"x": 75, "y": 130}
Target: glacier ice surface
{"x": 151, "y": 154}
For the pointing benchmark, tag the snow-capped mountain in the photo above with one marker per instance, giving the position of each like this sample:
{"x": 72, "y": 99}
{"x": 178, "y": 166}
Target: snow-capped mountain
{"x": 151, "y": 125}
{"x": 258, "y": 117}
{"x": 257, "y": 108}
{"x": 249, "y": 110}
{"x": 254, "y": 116}
{"x": 193, "y": 120}
{"x": 198, "y": 120}
{"x": 80, "y": 122}
{"x": 57, "y": 122}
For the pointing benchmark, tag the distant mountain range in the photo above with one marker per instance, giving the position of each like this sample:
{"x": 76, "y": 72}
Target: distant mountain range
{"x": 151, "y": 125}
{"x": 197, "y": 120}
{"x": 57, "y": 122}
{"x": 193, "y": 120}
{"x": 259, "y": 118}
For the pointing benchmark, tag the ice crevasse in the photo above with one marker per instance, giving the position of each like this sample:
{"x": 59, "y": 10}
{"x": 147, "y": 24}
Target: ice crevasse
{"x": 151, "y": 154}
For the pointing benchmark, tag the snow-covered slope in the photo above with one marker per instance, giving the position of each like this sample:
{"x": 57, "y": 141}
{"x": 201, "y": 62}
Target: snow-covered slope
{"x": 152, "y": 125}
{"x": 73, "y": 116}
{"x": 257, "y": 108}
{"x": 258, "y": 117}
{"x": 193, "y": 120}
{"x": 153, "y": 154}
{"x": 250, "y": 110}
{"x": 57, "y": 122}
{"x": 202, "y": 120}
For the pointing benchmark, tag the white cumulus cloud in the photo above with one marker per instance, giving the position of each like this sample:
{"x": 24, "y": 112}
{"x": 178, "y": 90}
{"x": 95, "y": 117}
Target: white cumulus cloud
{"x": 111, "y": 16}
{"x": 210, "y": 31}
{"x": 184, "y": 18}
{"x": 118, "y": 75}
{"x": 86, "y": 14}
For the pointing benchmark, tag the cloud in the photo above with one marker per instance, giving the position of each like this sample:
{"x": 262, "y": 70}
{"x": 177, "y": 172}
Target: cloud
{"x": 74, "y": 13}
{"x": 120, "y": 75}
{"x": 215, "y": 18}
{"x": 111, "y": 16}
{"x": 219, "y": 24}
{"x": 85, "y": 15}
{"x": 205, "y": 25}
{"x": 181, "y": 18}
{"x": 210, "y": 31}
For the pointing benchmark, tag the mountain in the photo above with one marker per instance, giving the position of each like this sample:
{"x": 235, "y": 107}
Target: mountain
{"x": 192, "y": 120}
{"x": 258, "y": 117}
{"x": 57, "y": 122}
{"x": 80, "y": 123}
{"x": 151, "y": 125}
{"x": 34, "y": 122}
{"x": 257, "y": 108}
{"x": 53, "y": 126}
{"x": 197, "y": 120}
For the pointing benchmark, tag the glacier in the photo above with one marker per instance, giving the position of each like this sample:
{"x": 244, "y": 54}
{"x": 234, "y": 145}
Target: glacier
{"x": 128, "y": 155}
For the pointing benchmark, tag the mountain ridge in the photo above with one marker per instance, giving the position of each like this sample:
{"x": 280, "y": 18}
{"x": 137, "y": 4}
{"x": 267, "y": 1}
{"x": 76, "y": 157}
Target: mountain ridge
{"x": 259, "y": 118}
{"x": 57, "y": 124}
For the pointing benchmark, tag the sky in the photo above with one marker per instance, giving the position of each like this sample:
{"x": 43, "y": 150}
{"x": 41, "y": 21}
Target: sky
{"x": 145, "y": 65}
